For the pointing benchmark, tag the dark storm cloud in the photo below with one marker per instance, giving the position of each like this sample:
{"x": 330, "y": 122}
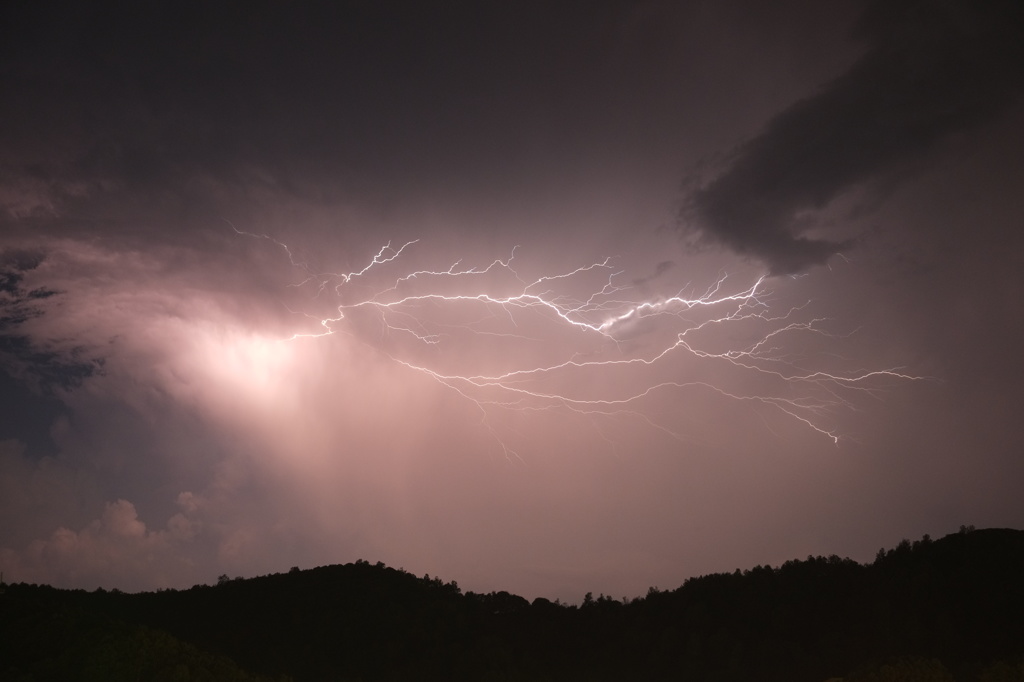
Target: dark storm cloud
{"x": 932, "y": 68}
{"x": 110, "y": 107}
{"x": 29, "y": 372}
{"x": 19, "y": 355}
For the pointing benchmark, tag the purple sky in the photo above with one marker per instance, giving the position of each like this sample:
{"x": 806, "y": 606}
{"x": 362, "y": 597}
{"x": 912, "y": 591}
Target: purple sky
{"x": 714, "y": 285}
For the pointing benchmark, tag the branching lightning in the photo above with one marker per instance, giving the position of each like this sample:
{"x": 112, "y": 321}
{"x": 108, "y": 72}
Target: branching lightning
{"x": 583, "y": 340}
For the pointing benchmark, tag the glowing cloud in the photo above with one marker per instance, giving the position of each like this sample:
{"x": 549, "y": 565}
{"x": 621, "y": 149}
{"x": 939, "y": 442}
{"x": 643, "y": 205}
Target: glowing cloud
{"x": 581, "y": 340}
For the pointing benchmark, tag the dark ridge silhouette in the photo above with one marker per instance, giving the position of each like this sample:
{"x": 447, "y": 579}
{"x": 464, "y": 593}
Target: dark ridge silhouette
{"x": 949, "y": 609}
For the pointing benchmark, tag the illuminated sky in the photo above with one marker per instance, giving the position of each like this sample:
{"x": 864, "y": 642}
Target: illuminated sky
{"x": 592, "y": 297}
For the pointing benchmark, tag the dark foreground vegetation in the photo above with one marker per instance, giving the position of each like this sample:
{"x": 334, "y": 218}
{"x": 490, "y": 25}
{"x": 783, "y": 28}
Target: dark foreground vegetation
{"x": 944, "y": 610}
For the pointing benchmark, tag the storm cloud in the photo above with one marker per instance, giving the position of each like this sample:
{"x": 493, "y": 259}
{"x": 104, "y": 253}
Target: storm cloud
{"x": 214, "y": 360}
{"x": 930, "y": 69}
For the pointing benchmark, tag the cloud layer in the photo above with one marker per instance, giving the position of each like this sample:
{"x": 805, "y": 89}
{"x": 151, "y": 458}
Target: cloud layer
{"x": 930, "y": 70}
{"x": 171, "y": 408}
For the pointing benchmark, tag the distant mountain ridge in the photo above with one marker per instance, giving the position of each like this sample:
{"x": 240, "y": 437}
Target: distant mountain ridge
{"x": 949, "y": 609}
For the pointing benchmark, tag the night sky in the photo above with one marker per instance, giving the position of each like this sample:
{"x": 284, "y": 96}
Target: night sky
{"x": 544, "y": 297}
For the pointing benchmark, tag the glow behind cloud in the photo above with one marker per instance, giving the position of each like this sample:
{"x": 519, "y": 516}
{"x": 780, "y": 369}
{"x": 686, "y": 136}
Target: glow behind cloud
{"x": 575, "y": 377}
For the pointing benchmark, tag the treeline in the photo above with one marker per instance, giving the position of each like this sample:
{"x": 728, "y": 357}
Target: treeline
{"x": 950, "y": 610}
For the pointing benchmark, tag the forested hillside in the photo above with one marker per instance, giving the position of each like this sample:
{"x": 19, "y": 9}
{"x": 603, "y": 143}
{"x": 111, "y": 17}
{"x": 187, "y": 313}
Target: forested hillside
{"x": 949, "y": 609}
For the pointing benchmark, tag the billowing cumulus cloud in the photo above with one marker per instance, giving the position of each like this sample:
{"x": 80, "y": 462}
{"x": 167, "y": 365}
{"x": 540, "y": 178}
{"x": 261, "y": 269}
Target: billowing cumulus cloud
{"x": 111, "y": 551}
{"x": 930, "y": 70}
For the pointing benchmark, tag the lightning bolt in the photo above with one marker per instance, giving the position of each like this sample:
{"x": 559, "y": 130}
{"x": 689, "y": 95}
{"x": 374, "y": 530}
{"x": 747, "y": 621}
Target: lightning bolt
{"x": 518, "y": 326}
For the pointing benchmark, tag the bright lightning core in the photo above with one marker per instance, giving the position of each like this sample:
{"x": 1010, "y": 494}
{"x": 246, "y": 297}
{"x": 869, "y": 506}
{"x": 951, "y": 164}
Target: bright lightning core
{"x": 584, "y": 340}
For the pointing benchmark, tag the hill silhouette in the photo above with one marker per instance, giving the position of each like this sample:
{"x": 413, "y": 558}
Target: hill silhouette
{"x": 949, "y": 609}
